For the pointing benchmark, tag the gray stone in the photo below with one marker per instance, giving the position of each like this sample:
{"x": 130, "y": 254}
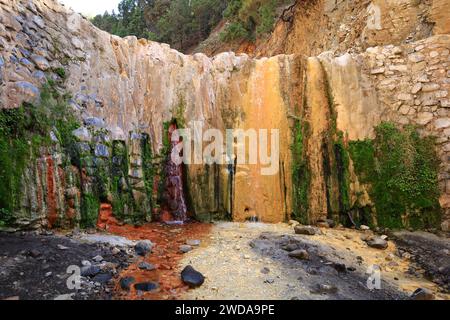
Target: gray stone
{"x": 185, "y": 248}
{"x": 90, "y": 271}
{"x": 101, "y": 151}
{"x": 378, "y": 71}
{"x": 430, "y": 87}
{"x": 299, "y": 254}
{"x": 97, "y": 258}
{"x": 265, "y": 270}
{"x": 377, "y": 243}
{"x": 64, "y": 297}
{"x": 194, "y": 243}
{"x": 306, "y": 230}
{"x": 39, "y": 22}
{"x": 442, "y": 123}
{"x": 290, "y": 247}
{"x": 40, "y": 76}
{"x": 146, "y": 266}
{"x": 142, "y": 248}
{"x": 416, "y": 88}
{"x": 83, "y": 147}
{"x": 94, "y": 122}
{"x": 136, "y": 173}
{"x": 82, "y": 134}
{"x": 53, "y": 137}
{"x": 399, "y": 68}
{"x": 117, "y": 134}
{"x": 86, "y": 263}
{"x": 26, "y": 91}
{"x": 404, "y": 97}
{"x": 324, "y": 289}
{"x": 424, "y": 118}
{"x": 416, "y": 57}
{"x": 40, "y": 62}
{"x": 27, "y": 63}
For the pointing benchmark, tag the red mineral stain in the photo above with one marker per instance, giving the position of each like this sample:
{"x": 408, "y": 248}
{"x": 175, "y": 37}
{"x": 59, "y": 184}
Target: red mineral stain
{"x": 39, "y": 188}
{"x": 165, "y": 255}
{"x": 106, "y": 217}
{"x": 52, "y": 215}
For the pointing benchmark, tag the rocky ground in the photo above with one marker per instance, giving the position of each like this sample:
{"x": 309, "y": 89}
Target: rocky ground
{"x": 237, "y": 260}
{"x": 251, "y": 261}
{"x": 34, "y": 265}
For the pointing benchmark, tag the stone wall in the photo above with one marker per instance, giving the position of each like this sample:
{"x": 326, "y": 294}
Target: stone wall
{"x": 130, "y": 85}
{"x": 406, "y": 84}
{"x": 379, "y": 69}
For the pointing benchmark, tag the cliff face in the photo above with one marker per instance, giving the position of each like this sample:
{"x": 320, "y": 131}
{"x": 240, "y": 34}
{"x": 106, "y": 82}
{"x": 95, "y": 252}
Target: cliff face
{"x": 129, "y": 87}
{"x": 127, "y": 91}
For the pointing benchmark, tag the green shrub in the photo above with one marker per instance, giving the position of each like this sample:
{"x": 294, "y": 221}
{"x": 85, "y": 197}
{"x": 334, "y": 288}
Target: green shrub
{"x": 234, "y": 31}
{"x": 402, "y": 169}
{"x": 90, "y": 206}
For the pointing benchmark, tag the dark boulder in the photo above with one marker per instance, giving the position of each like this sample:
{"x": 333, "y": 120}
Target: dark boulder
{"x": 125, "y": 283}
{"x": 146, "y": 286}
{"x": 143, "y": 247}
{"x": 192, "y": 277}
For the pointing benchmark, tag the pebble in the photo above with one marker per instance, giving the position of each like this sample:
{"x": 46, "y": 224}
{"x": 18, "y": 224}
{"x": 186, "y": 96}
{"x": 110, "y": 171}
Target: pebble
{"x": 90, "y": 271}
{"x": 265, "y": 270}
{"x": 194, "y": 243}
{"x": 325, "y": 289}
{"x": 97, "y": 258}
{"x": 340, "y": 267}
{"x": 185, "y": 248}
{"x": 35, "y": 253}
{"x": 86, "y": 263}
{"x": 146, "y": 266}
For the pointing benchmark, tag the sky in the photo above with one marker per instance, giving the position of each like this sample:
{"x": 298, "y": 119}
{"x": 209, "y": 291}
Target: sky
{"x": 91, "y": 7}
